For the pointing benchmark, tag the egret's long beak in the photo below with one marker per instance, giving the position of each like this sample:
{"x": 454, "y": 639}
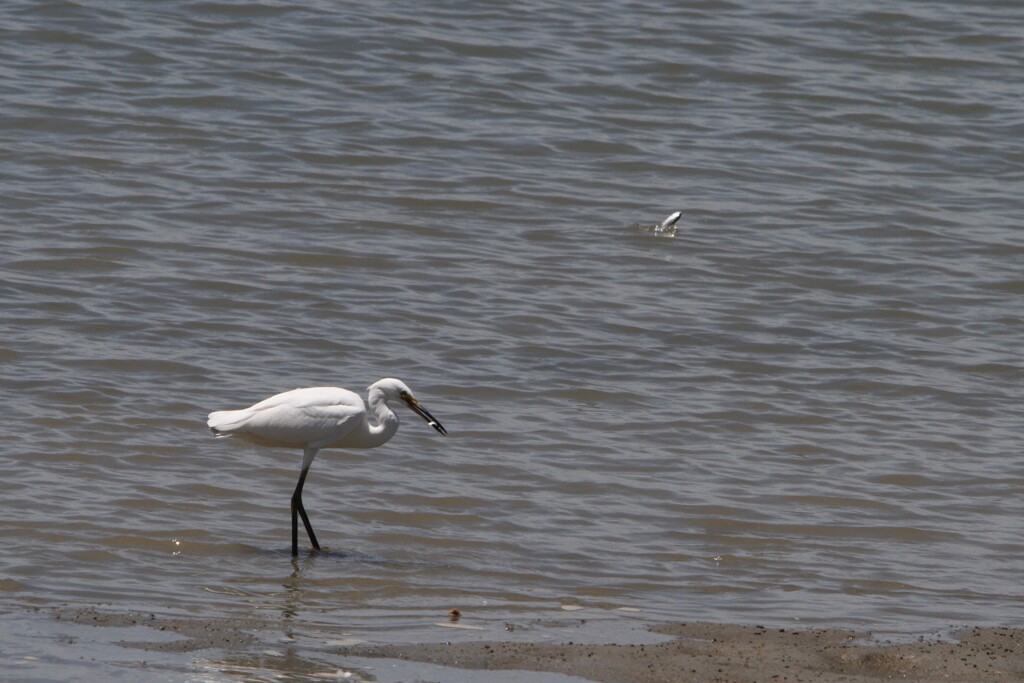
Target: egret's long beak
{"x": 418, "y": 408}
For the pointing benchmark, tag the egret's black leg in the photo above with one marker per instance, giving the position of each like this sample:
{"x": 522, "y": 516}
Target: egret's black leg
{"x": 297, "y": 510}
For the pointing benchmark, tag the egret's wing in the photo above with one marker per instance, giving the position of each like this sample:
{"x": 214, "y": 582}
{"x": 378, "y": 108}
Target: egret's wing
{"x": 298, "y": 418}
{"x": 314, "y": 425}
{"x": 313, "y": 396}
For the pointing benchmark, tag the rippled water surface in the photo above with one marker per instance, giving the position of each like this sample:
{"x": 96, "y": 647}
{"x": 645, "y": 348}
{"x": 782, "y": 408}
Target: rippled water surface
{"x": 804, "y": 407}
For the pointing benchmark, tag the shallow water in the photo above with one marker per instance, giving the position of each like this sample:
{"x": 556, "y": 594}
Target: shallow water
{"x": 803, "y": 407}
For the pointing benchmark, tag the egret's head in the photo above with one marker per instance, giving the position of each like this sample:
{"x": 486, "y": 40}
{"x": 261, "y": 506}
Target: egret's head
{"x": 391, "y": 389}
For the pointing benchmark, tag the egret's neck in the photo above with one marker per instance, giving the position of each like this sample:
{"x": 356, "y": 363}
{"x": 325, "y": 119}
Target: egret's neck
{"x": 387, "y": 421}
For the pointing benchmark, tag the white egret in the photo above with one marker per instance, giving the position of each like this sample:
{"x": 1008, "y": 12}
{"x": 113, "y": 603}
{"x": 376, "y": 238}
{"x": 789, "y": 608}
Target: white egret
{"x": 315, "y": 418}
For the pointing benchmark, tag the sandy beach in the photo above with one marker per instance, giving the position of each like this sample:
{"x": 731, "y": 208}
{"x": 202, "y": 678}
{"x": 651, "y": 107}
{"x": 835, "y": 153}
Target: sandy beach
{"x": 743, "y": 654}
{"x": 698, "y": 652}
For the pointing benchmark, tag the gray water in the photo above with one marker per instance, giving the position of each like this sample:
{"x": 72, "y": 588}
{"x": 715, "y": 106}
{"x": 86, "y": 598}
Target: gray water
{"x": 803, "y": 408}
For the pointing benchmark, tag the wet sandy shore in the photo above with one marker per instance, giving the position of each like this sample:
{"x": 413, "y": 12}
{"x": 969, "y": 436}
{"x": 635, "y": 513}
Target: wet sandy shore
{"x": 742, "y": 654}
{"x": 698, "y": 652}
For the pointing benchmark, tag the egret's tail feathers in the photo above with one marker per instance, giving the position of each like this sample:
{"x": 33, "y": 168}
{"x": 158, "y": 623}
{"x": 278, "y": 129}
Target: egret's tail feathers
{"x": 224, "y": 423}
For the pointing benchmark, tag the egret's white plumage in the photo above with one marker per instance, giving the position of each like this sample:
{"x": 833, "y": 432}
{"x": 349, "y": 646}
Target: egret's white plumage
{"x": 315, "y": 418}
{"x": 300, "y": 418}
